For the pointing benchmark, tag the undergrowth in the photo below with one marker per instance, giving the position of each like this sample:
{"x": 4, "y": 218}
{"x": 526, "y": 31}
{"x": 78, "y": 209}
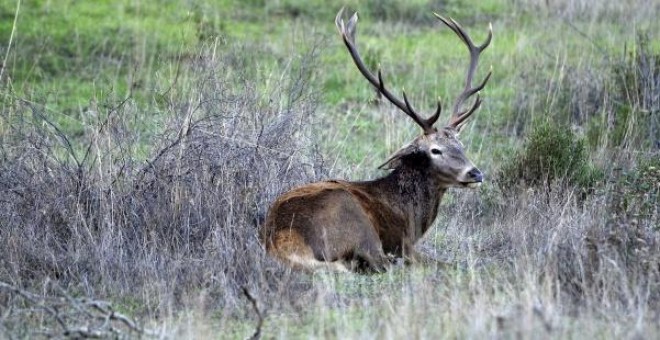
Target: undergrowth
{"x": 552, "y": 153}
{"x": 144, "y": 215}
{"x": 100, "y": 223}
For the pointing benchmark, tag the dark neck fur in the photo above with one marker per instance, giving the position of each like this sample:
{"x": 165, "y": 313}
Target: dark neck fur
{"x": 413, "y": 192}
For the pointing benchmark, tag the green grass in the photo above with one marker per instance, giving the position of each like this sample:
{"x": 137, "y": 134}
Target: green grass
{"x": 75, "y": 61}
{"x": 414, "y": 304}
{"x": 68, "y": 53}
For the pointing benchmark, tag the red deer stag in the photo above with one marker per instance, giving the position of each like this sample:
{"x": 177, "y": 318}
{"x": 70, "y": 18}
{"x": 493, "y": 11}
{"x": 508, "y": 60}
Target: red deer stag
{"x": 343, "y": 226}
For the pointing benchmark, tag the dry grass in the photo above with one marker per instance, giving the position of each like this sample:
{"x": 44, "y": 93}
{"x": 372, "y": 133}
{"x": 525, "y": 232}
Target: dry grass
{"x": 97, "y": 241}
{"x": 157, "y": 233}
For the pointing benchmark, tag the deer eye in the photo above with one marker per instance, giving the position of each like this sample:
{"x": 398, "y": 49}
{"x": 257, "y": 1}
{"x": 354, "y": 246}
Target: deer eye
{"x": 436, "y": 151}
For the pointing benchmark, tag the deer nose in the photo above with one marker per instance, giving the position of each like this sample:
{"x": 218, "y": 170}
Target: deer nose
{"x": 475, "y": 175}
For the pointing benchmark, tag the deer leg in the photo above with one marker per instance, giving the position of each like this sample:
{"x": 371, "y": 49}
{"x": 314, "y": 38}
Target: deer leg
{"x": 372, "y": 263}
{"x": 409, "y": 254}
{"x": 371, "y": 257}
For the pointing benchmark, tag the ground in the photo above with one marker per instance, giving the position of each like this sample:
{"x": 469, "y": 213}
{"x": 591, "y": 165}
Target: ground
{"x": 142, "y": 142}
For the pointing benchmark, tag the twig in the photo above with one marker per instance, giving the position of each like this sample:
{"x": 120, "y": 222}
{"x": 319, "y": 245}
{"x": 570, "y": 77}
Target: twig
{"x": 260, "y": 318}
{"x": 84, "y": 311}
{"x": 112, "y": 315}
{"x": 34, "y": 300}
{"x": 58, "y": 132}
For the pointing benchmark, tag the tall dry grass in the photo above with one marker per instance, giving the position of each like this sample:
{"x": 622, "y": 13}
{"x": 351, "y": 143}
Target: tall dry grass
{"x": 170, "y": 242}
{"x": 151, "y": 235}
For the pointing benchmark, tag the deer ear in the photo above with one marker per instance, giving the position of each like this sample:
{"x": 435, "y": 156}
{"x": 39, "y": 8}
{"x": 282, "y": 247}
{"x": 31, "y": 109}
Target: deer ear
{"x": 396, "y": 159}
{"x": 453, "y": 131}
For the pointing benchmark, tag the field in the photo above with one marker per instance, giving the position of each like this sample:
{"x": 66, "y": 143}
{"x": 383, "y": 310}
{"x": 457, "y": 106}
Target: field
{"x": 141, "y": 143}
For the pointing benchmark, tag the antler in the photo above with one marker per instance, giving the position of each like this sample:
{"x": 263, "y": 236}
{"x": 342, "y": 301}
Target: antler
{"x": 459, "y": 117}
{"x": 347, "y": 31}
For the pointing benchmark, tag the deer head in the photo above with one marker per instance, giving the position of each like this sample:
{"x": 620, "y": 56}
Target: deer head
{"x": 437, "y": 151}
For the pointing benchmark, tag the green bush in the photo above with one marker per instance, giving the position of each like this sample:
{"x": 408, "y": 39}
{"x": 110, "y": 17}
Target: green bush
{"x": 552, "y": 153}
{"x": 636, "y": 195}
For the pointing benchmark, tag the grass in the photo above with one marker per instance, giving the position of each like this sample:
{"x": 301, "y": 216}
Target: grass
{"x": 142, "y": 142}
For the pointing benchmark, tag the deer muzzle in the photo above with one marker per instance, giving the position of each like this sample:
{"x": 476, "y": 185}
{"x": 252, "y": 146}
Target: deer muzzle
{"x": 473, "y": 178}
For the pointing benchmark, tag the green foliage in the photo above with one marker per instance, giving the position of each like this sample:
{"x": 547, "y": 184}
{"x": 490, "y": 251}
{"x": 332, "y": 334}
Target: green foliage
{"x": 414, "y": 12}
{"x": 634, "y": 119}
{"x": 636, "y": 195}
{"x": 68, "y": 54}
{"x": 411, "y": 11}
{"x": 551, "y": 153}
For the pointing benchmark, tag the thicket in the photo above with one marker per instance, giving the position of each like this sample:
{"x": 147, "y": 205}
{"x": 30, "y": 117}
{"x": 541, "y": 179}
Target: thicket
{"x": 95, "y": 221}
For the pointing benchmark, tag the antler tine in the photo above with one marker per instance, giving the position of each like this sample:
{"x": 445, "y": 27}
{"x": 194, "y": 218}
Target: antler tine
{"x": 458, "y": 120}
{"x": 475, "y": 51}
{"x": 347, "y": 32}
{"x": 436, "y": 114}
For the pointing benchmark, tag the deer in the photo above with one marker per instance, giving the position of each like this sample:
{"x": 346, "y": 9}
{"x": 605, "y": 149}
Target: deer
{"x": 367, "y": 226}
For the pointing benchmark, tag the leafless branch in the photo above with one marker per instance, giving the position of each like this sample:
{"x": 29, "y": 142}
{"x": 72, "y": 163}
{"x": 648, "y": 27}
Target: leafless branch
{"x": 77, "y": 317}
{"x": 260, "y": 318}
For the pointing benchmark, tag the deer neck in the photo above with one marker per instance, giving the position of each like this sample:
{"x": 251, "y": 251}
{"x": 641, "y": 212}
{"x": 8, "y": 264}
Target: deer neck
{"x": 415, "y": 194}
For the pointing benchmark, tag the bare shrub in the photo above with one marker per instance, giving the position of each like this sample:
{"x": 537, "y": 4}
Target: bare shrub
{"x": 71, "y": 317}
{"x": 101, "y": 223}
{"x": 576, "y": 247}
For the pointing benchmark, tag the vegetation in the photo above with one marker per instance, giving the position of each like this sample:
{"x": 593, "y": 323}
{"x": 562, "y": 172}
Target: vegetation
{"x": 552, "y": 153}
{"x": 141, "y": 143}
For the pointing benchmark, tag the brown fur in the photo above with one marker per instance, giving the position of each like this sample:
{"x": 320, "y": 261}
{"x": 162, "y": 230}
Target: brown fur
{"x": 356, "y": 225}
{"x": 340, "y": 225}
